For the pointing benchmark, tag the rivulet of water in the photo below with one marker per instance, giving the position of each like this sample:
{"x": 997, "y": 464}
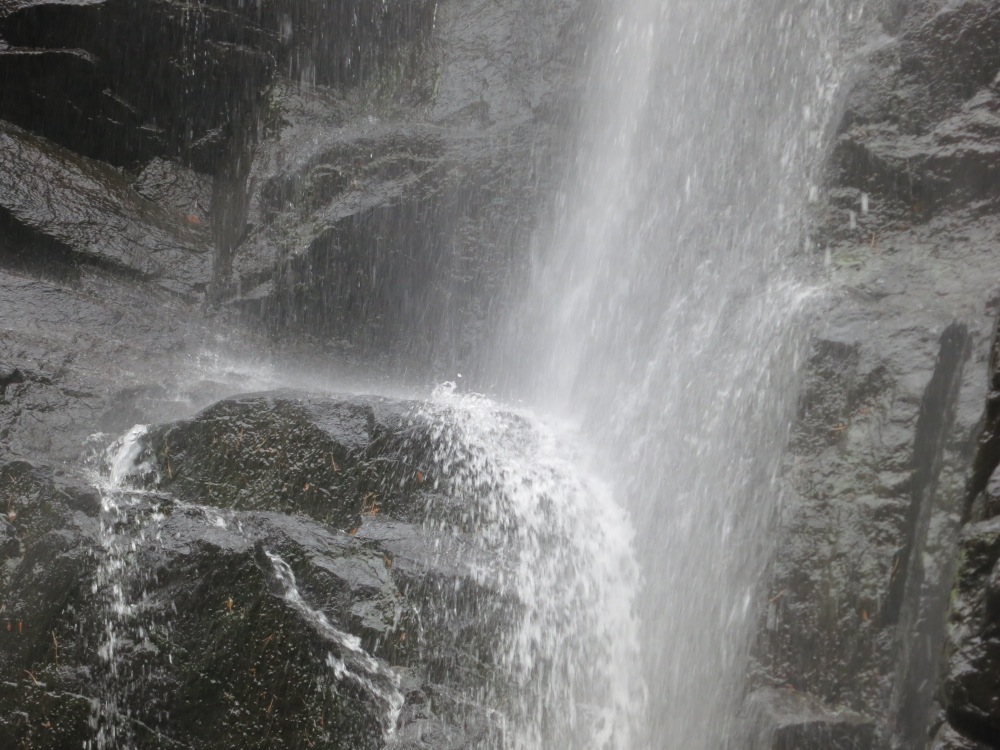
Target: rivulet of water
{"x": 123, "y": 526}
{"x": 347, "y": 659}
{"x": 664, "y": 315}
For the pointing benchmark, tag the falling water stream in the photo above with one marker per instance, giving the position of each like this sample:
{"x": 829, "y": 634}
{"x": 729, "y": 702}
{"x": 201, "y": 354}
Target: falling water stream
{"x": 538, "y": 499}
{"x": 664, "y": 324}
{"x": 665, "y": 314}
{"x": 123, "y": 526}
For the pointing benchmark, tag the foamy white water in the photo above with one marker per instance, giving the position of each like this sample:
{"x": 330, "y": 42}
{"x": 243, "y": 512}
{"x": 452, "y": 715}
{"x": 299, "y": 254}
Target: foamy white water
{"x": 564, "y": 554}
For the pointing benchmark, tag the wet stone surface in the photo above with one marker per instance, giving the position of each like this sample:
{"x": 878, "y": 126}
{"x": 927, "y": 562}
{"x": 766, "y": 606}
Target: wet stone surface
{"x": 358, "y": 189}
{"x": 218, "y": 622}
{"x": 339, "y": 177}
{"x": 886, "y": 437}
{"x": 88, "y": 213}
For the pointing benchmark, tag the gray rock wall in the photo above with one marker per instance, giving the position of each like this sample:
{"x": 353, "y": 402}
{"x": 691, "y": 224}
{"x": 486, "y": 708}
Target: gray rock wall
{"x": 360, "y": 181}
{"x": 882, "y": 454}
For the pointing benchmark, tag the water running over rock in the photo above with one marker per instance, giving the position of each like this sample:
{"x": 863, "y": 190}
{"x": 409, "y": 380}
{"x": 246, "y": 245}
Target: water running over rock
{"x": 359, "y": 195}
{"x": 538, "y": 499}
{"x": 124, "y": 518}
{"x": 348, "y": 660}
{"x": 484, "y": 554}
{"x": 665, "y": 314}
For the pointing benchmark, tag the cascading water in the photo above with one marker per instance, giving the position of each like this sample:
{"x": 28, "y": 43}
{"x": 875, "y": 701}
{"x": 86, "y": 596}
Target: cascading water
{"x": 663, "y": 313}
{"x": 123, "y": 525}
{"x": 664, "y": 322}
{"x": 537, "y": 501}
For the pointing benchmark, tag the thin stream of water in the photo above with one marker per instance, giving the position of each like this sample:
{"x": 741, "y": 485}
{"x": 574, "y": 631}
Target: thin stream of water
{"x": 123, "y": 527}
{"x": 347, "y": 659}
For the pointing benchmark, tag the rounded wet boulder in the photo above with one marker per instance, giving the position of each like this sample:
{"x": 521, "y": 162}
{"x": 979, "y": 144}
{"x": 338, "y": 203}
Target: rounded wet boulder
{"x": 262, "y": 575}
{"x": 331, "y": 459}
{"x": 333, "y": 521}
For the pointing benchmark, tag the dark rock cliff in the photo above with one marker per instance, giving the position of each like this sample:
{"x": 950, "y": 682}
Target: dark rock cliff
{"x": 888, "y": 449}
{"x": 356, "y": 179}
{"x": 183, "y": 184}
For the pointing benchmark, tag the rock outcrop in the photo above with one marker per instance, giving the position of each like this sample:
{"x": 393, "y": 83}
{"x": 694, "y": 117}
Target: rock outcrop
{"x": 882, "y": 455}
{"x": 302, "y": 600}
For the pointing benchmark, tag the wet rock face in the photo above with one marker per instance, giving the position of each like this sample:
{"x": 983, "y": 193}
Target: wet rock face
{"x": 257, "y": 453}
{"x": 341, "y": 176}
{"x": 883, "y": 452}
{"x": 80, "y": 72}
{"x": 89, "y": 214}
{"x": 380, "y": 238}
{"x": 922, "y": 130}
{"x": 972, "y": 690}
{"x": 345, "y": 178}
{"x": 792, "y": 720}
{"x": 187, "y": 614}
{"x": 209, "y": 656}
{"x": 52, "y": 520}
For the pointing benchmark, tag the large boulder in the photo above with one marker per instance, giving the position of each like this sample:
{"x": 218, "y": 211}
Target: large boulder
{"x": 365, "y": 467}
{"x": 281, "y": 570}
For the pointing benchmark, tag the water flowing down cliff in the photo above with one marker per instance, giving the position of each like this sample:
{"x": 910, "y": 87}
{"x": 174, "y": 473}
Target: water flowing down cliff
{"x": 666, "y": 314}
{"x": 499, "y": 374}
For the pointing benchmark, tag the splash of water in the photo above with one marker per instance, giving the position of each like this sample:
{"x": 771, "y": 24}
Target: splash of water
{"x": 534, "y": 498}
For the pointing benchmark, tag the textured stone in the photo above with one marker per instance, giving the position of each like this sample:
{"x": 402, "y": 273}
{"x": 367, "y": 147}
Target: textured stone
{"x": 83, "y": 208}
{"x": 789, "y": 720}
{"x": 882, "y": 449}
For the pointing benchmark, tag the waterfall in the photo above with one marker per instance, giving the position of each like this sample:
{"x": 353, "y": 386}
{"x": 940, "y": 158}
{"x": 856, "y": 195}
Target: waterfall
{"x": 629, "y": 502}
{"x": 664, "y": 312}
{"x": 544, "y": 512}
